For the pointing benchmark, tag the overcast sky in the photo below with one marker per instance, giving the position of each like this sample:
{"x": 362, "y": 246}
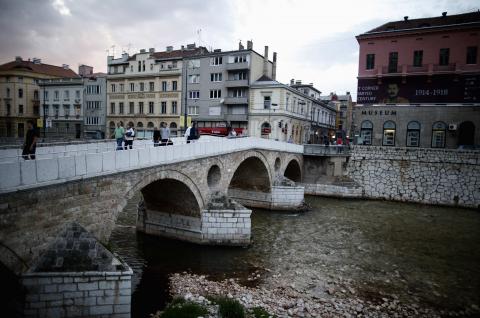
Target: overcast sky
{"x": 315, "y": 40}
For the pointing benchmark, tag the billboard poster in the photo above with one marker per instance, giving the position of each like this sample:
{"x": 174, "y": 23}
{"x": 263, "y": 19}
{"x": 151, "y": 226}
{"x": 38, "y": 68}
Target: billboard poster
{"x": 449, "y": 88}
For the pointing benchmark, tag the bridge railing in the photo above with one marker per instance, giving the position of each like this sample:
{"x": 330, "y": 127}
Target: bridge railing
{"x": 330, "y": 150}
{"x": 66, "y": 165}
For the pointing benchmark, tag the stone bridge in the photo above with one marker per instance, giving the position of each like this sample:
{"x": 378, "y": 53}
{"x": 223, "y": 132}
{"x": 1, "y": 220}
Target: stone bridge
{"x": 195, "y": 192}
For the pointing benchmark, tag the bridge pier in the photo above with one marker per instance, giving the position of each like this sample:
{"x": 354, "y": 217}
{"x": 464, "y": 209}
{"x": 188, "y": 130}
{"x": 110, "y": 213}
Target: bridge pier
{"x": 281, "y": 197}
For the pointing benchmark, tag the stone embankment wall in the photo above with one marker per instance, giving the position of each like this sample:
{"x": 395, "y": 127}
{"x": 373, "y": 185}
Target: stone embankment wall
{"x": 331, "y": 190}
{"x": 280, "y": 197}
{"x": 424, "y": 175}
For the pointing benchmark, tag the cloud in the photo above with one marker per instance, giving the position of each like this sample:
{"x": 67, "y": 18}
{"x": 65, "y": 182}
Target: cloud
{"x": 60, "y": 6}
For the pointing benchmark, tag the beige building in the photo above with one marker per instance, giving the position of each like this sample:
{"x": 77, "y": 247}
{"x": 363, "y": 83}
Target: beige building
{"x": 20, "y": 94}
{"x": 281, "y": 112}
{"x": 145, "y": 89}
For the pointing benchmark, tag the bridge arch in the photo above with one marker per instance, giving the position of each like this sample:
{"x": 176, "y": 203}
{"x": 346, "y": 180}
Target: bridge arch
{"x": 293, "y": 170}
{"x": 252, "y": 173}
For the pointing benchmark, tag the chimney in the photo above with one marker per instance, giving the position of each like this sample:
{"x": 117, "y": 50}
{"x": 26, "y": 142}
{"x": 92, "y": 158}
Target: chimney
{"x": 240, "y": 46}
{"x": 169, "y": 48}
{"x": 274, "y": 66}
{"x": 18, "y": 58}
{"x": 265, "y": 61}
{"x": 36, "y": 61}
{"x": 444, "y": 14}
{"x": 405, "y": 18}
{"x": 183, "y": 47}
{"x": 151, "y": 50}
{"x": 65, "y": 66}
{"x": 142, "y": 51}
{"x": 249, "y": 45}
{"x": 292, "y": 82}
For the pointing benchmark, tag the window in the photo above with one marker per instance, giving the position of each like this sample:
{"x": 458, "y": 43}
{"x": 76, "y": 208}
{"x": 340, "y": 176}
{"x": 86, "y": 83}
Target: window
{"x": 131, "y": 108}
{"x": 45, "y": 94}
{"x": 239, "y": 76}
{"x": 142, "y": 86}
{"x": 143, "y": 66}
{"x": 266, "y": 102}
{"x": 218, "y": 60}
{"x": 139, "y": 66}
{"x": 151, "y": 86}
{"x": 45, "y": 110}
{"x": 20, "y": 93}
{"x": 120, "y": 108}
{"x": 164, "y": 108}
{"x": 8, "y": 92}
{"x": 472, "y": 55}
{"x": 215, "y": 77}
{"x": 56, "y": 95}
{"x": 193, "y": 64}
{"x": 66, "y": 95}
{"x": 113, "y": 87}
{"x": 417, "y": 58}
{"x": 370, "y": 61}
{"x": 240, "y": 59}
{"x": 194, "y": 79}
{"x": 174, "y": 107}
{"x": 413, "y": 134}
{"x": 238, "y": 92}
{"x": 122, "y": 88}
{"x": 392, "y": 62}
{"x": 150, "y": 108}
{"x": 215, "y": 93}
{"x": 140, "y": 107}
{"x": 164, "y": 86}
{"x": 194, "y": 94}
{"x": 112, "y": 108}
{"x": 174, "y": 85}
{"x": 132, "y": 87}
{"x": 20, "y": 109}
{"x": 439, "y": 134}
{"x": 131, "y": 68}
{"x": 192, "y": 110}
{"x": 77, "y": 94}
{"x": 444, "y": 56}
{"x": 389, "y": 133}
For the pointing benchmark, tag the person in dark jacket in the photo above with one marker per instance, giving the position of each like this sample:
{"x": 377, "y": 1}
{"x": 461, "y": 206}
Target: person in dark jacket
{"x": 156, "y": 137}
{"x": 30, "y": 145}
{"x": 193, "y": 133}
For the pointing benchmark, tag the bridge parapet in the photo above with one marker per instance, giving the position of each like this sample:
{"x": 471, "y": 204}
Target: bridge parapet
{"x": 69, "y": 166}
{"x": 328, "y": 151}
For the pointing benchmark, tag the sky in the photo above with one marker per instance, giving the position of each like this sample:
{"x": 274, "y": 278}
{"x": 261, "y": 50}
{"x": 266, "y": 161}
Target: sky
{"x": 314, "y": 39}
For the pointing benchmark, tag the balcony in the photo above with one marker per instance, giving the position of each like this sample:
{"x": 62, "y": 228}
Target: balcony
{"x": 236, "y": 83}
{"x": 237, "y": 66}
{"x": 391, "y": 70}
{"x": 170, "y": 71}
{"x": 236, "y": 100}
{"x": 444, "y": 68}
{"x": 417, "y": 69}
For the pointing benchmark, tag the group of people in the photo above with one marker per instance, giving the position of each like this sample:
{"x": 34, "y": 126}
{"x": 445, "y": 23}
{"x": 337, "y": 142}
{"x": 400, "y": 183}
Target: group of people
{"x": 161, "y": 137}
{"x": 124, "y": 137}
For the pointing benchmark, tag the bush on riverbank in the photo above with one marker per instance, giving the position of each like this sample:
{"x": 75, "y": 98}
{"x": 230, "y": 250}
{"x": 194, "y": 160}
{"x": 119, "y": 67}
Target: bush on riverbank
{"x": 180, "y": 308}
{"x": 229, "y": 308}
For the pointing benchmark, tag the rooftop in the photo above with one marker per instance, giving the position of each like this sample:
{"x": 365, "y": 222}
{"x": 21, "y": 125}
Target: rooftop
{"x": 445, "y": 20}
{"x": 39, "y": 68}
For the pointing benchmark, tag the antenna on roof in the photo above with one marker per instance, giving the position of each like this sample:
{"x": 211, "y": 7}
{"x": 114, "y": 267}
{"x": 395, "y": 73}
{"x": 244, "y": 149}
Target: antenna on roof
{"x": 113, "y": 49}
{"x": 199, "y": 36}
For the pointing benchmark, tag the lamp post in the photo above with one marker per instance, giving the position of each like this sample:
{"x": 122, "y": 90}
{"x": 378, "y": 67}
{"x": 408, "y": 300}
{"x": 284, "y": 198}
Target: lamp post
{"x": 44, "y": 116}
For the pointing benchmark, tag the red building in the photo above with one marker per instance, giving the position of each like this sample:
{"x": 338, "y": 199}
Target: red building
{"x": 418, "y": 63}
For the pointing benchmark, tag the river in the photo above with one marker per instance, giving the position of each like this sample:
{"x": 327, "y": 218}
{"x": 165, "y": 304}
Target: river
{"x": 415, "y": 253}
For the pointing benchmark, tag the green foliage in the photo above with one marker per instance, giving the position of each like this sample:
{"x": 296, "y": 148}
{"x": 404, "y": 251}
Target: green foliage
{"x": 230, "y": 308}
{"x": 180, "y": 308}
{"x": 259, "y": 312}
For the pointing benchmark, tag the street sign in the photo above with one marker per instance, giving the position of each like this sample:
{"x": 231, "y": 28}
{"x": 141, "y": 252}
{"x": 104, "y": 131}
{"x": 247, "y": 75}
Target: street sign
{"x": 39, "y": 122}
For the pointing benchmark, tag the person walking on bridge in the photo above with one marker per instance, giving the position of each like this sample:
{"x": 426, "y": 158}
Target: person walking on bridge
{"x": 119, "y": 135}
{"x": 129, "y": 136}
{"x": 30, "y": 145}
{"x": 165, "y": 134}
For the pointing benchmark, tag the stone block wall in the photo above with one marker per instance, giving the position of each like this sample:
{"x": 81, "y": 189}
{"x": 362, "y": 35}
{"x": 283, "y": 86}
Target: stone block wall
{"x": 78, "y": 294}
{"x": 226, "y": 227}
{"x": 287, "y": 198}
{"x": 253, "y": 199}
{"x": 332, "y": 190}
{"x": 425, "y": 175}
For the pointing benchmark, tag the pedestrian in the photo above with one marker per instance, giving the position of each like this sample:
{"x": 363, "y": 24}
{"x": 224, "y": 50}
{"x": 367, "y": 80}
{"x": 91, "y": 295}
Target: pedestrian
{"x": 119, "y": 135}
{"x": 30, "y": 145}
{"x": 165, "y": 134}
{"x": 187, "y": 134}
{"x": 129, "y": 136}
{"x": 193, "y": 133}
{"x": 156, "y": 137}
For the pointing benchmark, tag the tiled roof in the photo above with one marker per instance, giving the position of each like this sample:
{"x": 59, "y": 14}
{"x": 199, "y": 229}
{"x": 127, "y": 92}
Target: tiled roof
{"x": 41, "y": 68}
{"x": 408, "y": 24}
{"x": 176, "y": 54}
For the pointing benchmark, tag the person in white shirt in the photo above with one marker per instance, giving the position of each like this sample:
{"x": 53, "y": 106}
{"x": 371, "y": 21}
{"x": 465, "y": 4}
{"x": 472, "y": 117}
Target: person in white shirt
{"x": 129, "y": 136}
{"x": 187, "y": 134}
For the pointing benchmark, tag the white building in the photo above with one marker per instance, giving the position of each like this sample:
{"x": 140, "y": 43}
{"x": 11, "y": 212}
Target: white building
{"x": 278, "y": 111}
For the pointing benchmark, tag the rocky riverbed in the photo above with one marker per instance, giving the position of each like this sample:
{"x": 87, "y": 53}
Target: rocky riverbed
{"x": 284, "y": 300}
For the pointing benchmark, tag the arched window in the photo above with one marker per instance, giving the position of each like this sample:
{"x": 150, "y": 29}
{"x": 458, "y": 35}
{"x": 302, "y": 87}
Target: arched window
{"x": 139, "y": 124}
{"x": 366, "y": 131}
{"x": 388, "y": 133}
{"x": 439, "y": 133}
{"x": 265, "y": 130}
{"x": 130, "y": 123}
{"x": 150, "y": 124}
{"x": 413, "y": 134}
{"x": 173, "y": 125}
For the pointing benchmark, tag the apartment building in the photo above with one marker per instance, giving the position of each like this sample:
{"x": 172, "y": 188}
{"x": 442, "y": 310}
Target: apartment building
{"x": 343, "y": 104}
{"x": 419, "y": 83}
{"x": 145, "y": 89}
{"x": 95, "y": 101}
{"x": 292, "y": 113}
{"x": 216, "y": 87}
{"x": 20, "y": 95}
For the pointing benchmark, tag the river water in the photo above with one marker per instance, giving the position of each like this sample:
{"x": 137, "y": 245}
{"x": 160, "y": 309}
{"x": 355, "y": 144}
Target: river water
{"x": 418, "y": 254}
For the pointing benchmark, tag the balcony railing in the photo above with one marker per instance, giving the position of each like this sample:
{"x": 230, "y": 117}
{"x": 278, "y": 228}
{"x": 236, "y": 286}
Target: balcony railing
{"x": 237, "y": 66}
{"x": 236, "y": 83}
{"x": 236, "y": 100}
{"x": 444, "y": 68}
{"x": 322, "y": 150}
{"x": 417, "y": 69}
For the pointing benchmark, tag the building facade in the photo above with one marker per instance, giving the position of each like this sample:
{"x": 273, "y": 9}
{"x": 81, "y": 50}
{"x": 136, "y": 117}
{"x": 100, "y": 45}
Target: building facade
{"x": 95, "y": 101}
{"x": 20, "y": 95}
{"x": 145, "y": 89}
{"x": 343, "y": 122}
{"x": 62, "y": 101}
{"x": 425, "y": 65}
{"x": 288, "y": 113}
{"x": 216, "y": 87}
